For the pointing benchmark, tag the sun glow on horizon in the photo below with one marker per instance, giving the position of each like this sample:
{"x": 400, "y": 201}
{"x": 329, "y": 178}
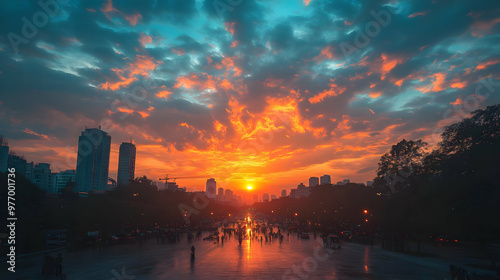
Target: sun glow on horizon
{"x": 249, "y": 188}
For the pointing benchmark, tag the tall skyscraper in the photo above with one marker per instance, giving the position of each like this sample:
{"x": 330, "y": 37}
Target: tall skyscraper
{"x": 42, "y": 177}
{"x": 211, "y": 188}
{"x": 92, "y": 164}
{"x": 228, "y": 195}
{"x": 255, "y": 198}
{"x": 18, "y": 163}
{"x": 30, "y": 170}
{"x": 313, "y": 181}
{"x": 126, "y": 164}
{"x": 4, "y": 154}
{"x": 61, "y": 179}
{"x": 302, "y": 190}
{"x": 220, "y": 194}
{"x": 265, "y": 197}
{"x": 283, "y": 193}
{"x": 325, "y": 179}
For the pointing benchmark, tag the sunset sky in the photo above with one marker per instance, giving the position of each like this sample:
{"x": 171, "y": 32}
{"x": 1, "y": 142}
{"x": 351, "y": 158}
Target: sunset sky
{"x": 259, "y": 92}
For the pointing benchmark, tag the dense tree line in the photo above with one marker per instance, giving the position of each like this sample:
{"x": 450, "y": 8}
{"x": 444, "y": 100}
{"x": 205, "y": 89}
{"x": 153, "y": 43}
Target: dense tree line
{"x": 453, "y": 189}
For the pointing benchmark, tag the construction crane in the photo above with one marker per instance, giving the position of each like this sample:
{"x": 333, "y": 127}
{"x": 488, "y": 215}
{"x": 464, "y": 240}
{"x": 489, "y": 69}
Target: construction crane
{"x": 166, "y": 179}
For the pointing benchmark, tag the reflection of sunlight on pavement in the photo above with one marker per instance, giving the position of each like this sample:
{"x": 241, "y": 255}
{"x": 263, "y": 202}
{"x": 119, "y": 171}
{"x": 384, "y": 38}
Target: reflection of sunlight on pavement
{"x": 251, "y": 260}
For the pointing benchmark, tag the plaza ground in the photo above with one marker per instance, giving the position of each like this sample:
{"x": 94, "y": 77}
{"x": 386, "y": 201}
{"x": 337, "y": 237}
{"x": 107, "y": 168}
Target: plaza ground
{"x": 292, "y": 259}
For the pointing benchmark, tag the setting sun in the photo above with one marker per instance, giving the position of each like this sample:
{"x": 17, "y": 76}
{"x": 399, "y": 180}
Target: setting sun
{"x": 249, "y": 187}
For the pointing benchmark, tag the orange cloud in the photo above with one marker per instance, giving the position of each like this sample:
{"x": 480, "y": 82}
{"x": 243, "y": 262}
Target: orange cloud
{"x": 228, "y": 62}
{"x": 486, "y": 64}
{"x": 417, "y": 14}
{"x": 125, "y": 110}
{"x": 220, "y": 127}
{"x": 179, "y": 51}
{"x": 326, "y": 53}
{"x": 457, "y": 102}
{"x": 272, "y": 83}
{"x": 133, "y": 19}
{"x": 225, "y": 84}
{"x": 29, "y": 131}
{"x": 141, "y": 66}
{"x": 438, "y": 84}
{"x": 108, "y": 10}
{"x": 388, "y": 63}
{"x": 145, "y": 39}
{"x": 374, "y": 94}
{"x": 306, "y": 2}
{"x": 334, "y": 90}
{"x": 230, "y": 27}
{"x": 481, "y": 28}
{"x": 458, "y": 85}
{"x": 143, "y": 114}
{"x": 163, "y": 94}
{"x": 195, "y": 81}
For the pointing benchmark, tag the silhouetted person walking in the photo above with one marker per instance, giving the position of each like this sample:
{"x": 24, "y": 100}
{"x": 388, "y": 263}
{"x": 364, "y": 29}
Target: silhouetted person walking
{"x": 192, "y": 253}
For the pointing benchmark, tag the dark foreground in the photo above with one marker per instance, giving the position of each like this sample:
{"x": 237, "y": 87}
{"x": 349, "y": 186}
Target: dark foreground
{"x": 292, "y": 259}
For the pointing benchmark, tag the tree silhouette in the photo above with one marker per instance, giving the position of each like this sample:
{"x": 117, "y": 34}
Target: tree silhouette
{"x": 400, "y": 165}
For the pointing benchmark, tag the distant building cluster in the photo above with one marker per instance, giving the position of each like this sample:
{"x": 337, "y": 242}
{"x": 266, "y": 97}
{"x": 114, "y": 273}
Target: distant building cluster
{"x": 222, "y": 195}
{"x": 92, "y": 167}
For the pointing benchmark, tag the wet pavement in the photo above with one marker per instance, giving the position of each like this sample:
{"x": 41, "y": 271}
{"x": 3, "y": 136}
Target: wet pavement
{"x": 292, "y": 259}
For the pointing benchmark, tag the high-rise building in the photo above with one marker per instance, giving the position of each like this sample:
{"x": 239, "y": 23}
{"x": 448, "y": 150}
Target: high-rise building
{"x": 228, "y": 196}
{"x": 126, "y": 164}
{"x": 346, "y": 181}
{"x": 92, "y": 166}
{"x": 42, "y": 177}
{"x": 273, "y": 197}
{"x": 60, "y": 180}
{"x": 283, "y": 193}
{"x": 293, "y": 193}
{"x": 211, "y": 188}
{"x": 4, "y": 154}
{"x": 313, "y": 181}
{"x": 265, "y": 197}
{"x": 302, "y": 190}
{"x": 30, "y": 169}
{"x": 18, "y": 163}
{"x": 255, "y": 198}
{"x": 325, "y": 180}
{"x": 220, "y": 194}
